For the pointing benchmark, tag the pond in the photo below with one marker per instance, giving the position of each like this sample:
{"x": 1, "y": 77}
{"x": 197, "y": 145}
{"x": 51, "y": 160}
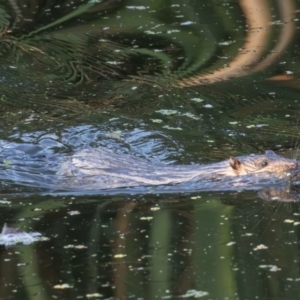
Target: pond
{"x": 167, "y": 82}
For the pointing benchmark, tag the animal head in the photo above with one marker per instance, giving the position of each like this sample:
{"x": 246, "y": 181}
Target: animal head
{"x": 268, "y": 162}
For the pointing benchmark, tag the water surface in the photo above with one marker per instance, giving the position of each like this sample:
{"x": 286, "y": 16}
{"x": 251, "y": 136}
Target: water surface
{"x": 180, "y": 82}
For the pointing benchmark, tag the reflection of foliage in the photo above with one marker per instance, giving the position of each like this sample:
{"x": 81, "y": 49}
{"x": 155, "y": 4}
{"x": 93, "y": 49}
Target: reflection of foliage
{"x": 67, "y": 56}
{"x": 74, "y": 44}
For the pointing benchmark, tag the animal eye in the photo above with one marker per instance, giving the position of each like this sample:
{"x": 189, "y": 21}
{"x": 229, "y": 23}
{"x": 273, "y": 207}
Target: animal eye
{"x": 264, "y": 163}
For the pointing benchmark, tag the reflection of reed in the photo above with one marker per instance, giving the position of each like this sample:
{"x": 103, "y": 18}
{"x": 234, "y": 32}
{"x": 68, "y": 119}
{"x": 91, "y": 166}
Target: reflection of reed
{"x": 150, "y": 250}
{"x": 119, "y": 263}
{"x": 163, "y": 262}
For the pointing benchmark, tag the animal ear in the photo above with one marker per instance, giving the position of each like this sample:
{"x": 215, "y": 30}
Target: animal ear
{"x": 270, "y": 152}
{"x": 234, "y": 163}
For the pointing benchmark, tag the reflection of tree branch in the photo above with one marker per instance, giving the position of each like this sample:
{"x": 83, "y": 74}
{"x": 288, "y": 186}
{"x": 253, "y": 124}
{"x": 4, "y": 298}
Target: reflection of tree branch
{"x": 120, "y": 243}
{"x": 258, "y": 15}
{"x": 287, "y": 11}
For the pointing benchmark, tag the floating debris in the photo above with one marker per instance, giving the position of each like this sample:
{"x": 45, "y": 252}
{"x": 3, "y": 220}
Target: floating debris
{"x": 190, "y": 115}
{"x": 247, "y": 234}
{"x": 12, "y": 236}
{"x": 197, "y": 100}
{"x": 5, "y": 202}
{"x": 95, "y": 295}
{"x": 171, "y": 112}
{"x": 155, "y": 208}
{"x": 272, "y": 268}
{"x": 187, "y": 23}
{"x": 172, "y": 128}
{"x": 74, "y": 212}
{"x": 156, "y": 120}
{"x": 167, "y": 112}
{"x": 120, "y": 255}
{"x": 62, "y": 286}
{"x": 194, "y": 294}
{"x": 137, "y": 7}
{"x": 7, "y": 163}
{"x": 146, "y": 218}
{"x": 230, "y": 243}
{"x": 227, "y": 43}
{"x": 75, "y": 247}
{"x": 260, "y": 247}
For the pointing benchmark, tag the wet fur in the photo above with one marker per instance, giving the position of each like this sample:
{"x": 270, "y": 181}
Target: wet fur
{"x": 110, "y": 170}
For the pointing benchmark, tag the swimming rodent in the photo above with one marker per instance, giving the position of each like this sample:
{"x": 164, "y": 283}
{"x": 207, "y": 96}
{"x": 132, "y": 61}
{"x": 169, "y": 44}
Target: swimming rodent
{"x": 102, "y": 169}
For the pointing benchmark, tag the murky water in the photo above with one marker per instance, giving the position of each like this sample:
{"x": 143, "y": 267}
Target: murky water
{"x": 174, "y": 82}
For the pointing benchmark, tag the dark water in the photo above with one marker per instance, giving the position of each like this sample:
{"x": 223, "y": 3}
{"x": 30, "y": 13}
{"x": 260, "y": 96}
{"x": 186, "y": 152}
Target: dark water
{"x": 153, "y": 246}
{"x": 169, "y": 81}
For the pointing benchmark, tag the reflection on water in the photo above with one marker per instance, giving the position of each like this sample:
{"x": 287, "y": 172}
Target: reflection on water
{"x": 127, "y": 249}
{"x": 68, "y": 50}
{"x": 169, "y": 81}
